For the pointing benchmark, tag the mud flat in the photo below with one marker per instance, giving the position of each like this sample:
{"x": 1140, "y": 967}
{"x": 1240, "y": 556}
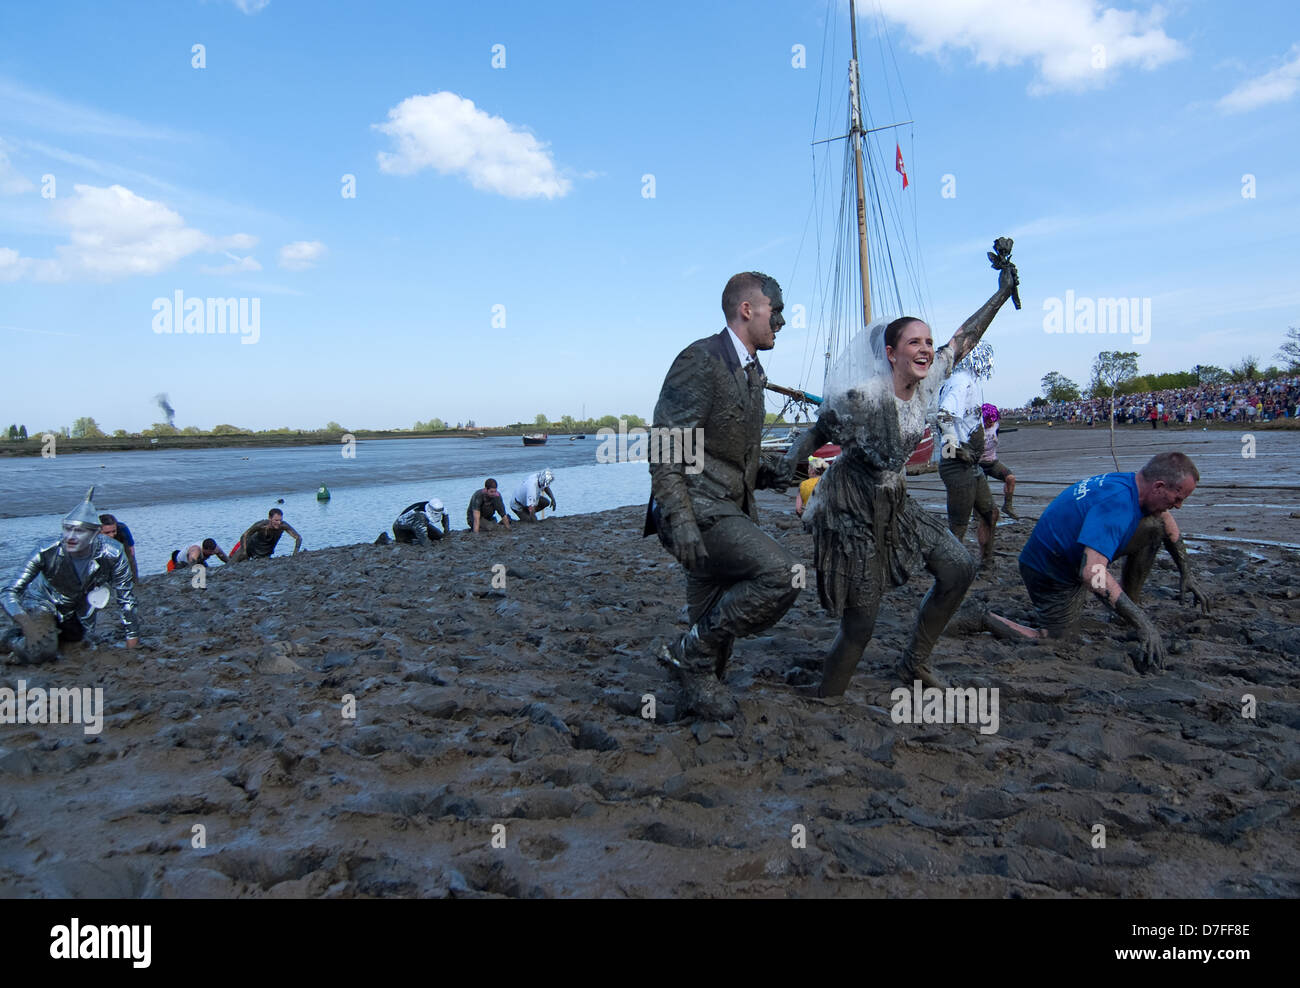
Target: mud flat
{"x": 515, "y": 712}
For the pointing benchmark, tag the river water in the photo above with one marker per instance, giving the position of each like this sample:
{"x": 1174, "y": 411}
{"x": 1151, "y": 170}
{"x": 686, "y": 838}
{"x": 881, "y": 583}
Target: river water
{"x": 173, "y": 498}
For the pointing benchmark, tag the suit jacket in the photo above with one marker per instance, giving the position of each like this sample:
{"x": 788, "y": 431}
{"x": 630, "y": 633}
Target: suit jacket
{"x": 707, "y": 388}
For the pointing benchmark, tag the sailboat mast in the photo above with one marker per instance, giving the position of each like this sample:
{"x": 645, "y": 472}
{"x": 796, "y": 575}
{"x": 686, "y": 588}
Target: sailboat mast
{"x": 857, "y": 132}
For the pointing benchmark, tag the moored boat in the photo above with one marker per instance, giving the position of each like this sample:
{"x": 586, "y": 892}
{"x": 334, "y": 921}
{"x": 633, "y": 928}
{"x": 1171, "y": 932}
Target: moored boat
{"x": 535, "y": 439}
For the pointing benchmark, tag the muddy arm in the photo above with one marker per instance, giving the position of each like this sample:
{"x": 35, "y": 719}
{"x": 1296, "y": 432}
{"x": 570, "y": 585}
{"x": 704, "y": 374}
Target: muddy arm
{"x": 1177, "y": 548}
{"x": 969, "y": 333}
{"x": 11, "y": 598}
{"x": 808, "y": 443}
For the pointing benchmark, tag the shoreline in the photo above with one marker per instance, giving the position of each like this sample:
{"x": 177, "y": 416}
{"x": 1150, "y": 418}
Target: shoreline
{"x": 33, "y": 446}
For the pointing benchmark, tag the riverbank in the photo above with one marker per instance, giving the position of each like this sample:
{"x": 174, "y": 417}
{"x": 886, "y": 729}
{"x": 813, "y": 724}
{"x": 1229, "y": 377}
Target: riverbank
{"x": 36, "y": 445}
{"x": 500, "y": 681}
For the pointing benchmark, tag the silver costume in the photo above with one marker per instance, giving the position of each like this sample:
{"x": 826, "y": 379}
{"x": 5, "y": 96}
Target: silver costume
{"x": 48, "y": 582}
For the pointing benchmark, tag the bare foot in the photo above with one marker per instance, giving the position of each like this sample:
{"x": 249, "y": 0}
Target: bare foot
{"x": 1008, "y": 630}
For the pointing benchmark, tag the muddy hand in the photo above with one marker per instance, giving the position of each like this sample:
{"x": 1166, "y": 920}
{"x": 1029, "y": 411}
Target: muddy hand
{"x": 28, "y": 625}
{"x": 1188, "y": 584}
{"x": 1009, "y": 278}
{"x": 1152, "y": 648}
{"x": 688, "y": 547}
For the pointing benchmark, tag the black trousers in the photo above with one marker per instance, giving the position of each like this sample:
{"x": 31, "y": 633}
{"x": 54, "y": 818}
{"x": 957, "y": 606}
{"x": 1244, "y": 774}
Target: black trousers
{"x": 747, "y": 585}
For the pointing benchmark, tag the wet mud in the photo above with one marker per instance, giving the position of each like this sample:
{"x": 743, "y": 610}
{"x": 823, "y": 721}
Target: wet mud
{"x": 499, "y": 745}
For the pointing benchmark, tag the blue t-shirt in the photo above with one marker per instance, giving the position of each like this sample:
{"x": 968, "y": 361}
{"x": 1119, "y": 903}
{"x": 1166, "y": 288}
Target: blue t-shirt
{"x": 124, "y": 535}
{"x": 1100, "y": 513}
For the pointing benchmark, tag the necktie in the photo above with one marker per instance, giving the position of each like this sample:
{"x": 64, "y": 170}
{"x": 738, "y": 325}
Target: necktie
{"x": 754, "y": 373}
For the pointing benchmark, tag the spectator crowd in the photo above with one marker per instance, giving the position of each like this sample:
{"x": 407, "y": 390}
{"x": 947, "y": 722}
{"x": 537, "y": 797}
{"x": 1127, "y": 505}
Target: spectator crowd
{"x": 1236, "y": 402}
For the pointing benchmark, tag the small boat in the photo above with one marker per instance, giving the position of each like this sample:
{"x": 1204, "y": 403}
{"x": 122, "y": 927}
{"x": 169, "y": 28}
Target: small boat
{"x": 535, "y": 439}
{"x": 575, "y": 438}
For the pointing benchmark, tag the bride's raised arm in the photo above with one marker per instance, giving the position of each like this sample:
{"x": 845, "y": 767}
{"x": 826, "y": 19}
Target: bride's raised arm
{"x": 969, "y": 333}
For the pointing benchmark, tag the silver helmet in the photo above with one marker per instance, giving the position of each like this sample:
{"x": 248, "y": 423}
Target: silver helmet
{"x": 84, "y": 513}
{"x": 979, "y": 362}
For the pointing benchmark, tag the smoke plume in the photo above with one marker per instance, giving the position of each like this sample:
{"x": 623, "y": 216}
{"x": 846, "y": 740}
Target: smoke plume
{"x": 166, "y": 407}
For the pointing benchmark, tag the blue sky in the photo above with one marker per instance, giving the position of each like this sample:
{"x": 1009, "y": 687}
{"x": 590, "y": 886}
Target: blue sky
{"x": 1113, "y": 144}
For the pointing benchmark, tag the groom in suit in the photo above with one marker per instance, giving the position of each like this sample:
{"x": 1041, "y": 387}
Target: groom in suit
{"x": 739, "y": 581}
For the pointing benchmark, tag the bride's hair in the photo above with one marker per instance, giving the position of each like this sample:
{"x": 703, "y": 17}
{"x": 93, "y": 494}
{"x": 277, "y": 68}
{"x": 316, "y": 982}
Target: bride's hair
{"x": 895, "y": 329}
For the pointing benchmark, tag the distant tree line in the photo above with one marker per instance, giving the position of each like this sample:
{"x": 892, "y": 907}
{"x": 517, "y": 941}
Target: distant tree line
{"x": 1116, "y": 373}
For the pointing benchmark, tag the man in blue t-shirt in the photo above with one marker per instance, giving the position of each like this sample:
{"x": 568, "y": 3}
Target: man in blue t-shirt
{"x": 1092, "y": 523}
{"x": 114, "y": 529}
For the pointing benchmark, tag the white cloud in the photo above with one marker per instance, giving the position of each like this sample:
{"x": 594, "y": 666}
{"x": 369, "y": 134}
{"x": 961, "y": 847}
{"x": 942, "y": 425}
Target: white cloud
{"x": 450, "y": 134}
{"x": 114, "y": 233}
{"x": 1276, "y": 86}
{"x": 1059, "y": 36}
{"x": 237, "y": 265}
{"x": 252, "y": 6}
{"x": 301, "y": 254}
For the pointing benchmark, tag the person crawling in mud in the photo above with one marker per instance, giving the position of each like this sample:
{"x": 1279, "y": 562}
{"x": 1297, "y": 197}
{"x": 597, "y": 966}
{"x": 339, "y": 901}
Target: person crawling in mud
{"x": 418, "y": 523}
{"x": 534, "y": 495}
{"x": 484, "y": 507}
{"x": 260, "y": 540}
{"x": 57, "y": 593}
{"x": 197, "y": 554}
{"x": 1087, "y": 526}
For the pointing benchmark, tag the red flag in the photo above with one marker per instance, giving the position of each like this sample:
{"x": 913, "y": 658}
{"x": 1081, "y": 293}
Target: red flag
{"x": 898, "y": 163}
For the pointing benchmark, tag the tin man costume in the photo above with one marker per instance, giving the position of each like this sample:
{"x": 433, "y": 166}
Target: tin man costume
{"x": 56, "y": 594}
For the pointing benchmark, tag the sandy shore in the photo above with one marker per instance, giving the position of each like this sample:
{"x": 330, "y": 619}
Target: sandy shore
{"x": 513, "y": 715}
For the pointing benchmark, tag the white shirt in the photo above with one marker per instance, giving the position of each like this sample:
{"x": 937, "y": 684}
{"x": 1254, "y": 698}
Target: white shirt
{"x": 741, "y": 352}
{"x": 963, "y": 400}
{"x": 528, "y": 492}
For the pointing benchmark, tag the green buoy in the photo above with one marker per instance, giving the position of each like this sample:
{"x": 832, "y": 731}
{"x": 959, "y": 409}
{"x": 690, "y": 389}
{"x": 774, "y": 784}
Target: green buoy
{"x": 323, "y": 494}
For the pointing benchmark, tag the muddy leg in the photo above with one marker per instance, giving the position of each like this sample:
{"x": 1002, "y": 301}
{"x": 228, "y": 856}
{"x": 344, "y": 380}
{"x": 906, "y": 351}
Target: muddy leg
{"x": 40, "y": 641}
{"x": 959, "y": 484}
{"x": 953, "y": 572}
{"x": 856, "y": 627}
{"x": 1140, "y": 555}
